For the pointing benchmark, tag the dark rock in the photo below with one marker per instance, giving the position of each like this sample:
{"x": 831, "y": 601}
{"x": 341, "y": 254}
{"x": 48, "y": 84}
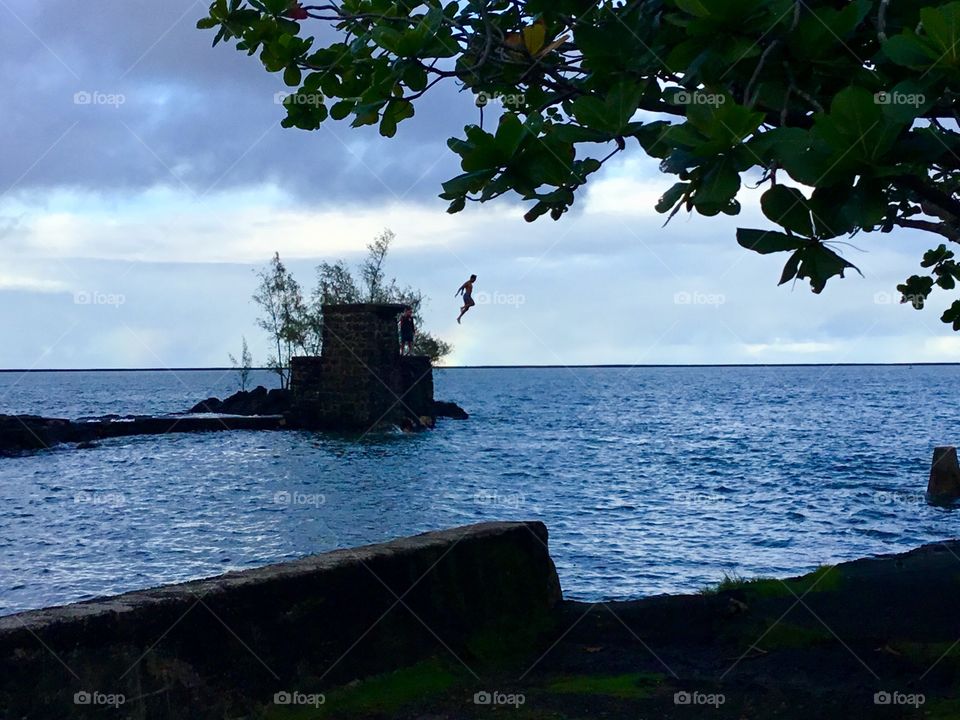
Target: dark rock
{"x": 210, "y": 405}
{"x": 258, "y": 401}
{"x": 944, "y": 483}
{"x": 449, "y": 410}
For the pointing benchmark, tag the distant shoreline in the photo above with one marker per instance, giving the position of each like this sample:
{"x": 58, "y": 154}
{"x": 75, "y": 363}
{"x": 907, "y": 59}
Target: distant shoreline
{"x": 508, "y": 367}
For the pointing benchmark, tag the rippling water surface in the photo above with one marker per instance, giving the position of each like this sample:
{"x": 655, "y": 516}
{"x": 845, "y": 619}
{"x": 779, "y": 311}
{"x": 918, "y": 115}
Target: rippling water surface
{"x": 651, "y": 480}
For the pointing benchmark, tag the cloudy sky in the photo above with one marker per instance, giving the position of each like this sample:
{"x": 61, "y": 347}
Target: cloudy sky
{"x": 132, "y": 224}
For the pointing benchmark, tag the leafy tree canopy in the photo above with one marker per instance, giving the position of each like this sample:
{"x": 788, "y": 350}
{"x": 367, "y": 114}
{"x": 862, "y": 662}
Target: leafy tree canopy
{"x": 295, "y": 325}
{"x": 843, "y": 111}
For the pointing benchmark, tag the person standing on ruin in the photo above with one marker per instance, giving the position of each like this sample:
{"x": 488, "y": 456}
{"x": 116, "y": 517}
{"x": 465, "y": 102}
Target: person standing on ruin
{"x": 408, "y": 332}
{"x": 467, "y": 290}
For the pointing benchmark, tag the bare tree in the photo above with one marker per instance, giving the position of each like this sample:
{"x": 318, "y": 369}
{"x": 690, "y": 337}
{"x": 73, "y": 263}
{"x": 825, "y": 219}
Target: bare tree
{"x": 284, "y": 315}
{"x": 243, "y": 366}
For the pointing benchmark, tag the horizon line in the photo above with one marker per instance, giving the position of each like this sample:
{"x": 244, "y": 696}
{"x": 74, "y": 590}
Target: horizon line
{"x": 599, "y": 366}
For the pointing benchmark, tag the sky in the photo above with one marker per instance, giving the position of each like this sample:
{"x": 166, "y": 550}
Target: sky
{"x": 146, "y": 178}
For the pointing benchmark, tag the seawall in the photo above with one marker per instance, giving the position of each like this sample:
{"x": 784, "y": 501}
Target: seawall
{"x": 220, "y": 647}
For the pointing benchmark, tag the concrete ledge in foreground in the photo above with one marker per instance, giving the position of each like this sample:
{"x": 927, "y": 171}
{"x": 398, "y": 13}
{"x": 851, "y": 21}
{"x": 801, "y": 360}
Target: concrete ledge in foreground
{"x": 220, "y": 646}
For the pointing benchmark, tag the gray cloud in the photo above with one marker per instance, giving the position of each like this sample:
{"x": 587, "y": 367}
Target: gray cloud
{"x": 172, "y": 110}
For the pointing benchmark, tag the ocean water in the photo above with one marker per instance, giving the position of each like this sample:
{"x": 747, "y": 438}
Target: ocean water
{"x": 651, "y": 480}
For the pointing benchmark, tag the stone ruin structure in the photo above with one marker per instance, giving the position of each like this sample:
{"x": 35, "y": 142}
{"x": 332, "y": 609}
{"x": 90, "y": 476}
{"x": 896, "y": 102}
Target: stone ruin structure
{"x": 361, "y": 380}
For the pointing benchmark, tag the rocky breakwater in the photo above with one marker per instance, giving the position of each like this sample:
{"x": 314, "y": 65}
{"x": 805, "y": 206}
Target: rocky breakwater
{"x": 261, "y": 401}
{"x": 23, "y": 433}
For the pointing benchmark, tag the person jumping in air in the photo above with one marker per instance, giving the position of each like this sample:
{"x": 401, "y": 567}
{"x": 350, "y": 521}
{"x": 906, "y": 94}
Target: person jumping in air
{"x": 467, "y": 290}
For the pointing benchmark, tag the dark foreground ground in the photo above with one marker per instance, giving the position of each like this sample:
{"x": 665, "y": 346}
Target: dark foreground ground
{"x": 876, "y": 638}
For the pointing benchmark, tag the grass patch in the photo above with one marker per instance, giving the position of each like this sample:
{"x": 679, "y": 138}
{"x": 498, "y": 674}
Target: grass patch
{"x": 787, "y": 635}
{"x": 630, "y": 686}
{"x": 824, "y": 578}
{"x": 381, "y": 694}
{"x": 925, "y": 654}
{"x": 941, "y": 709}
{"x": 497, "y": 647}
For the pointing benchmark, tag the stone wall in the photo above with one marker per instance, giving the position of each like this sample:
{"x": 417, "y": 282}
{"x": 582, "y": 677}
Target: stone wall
{"x": 360, "y": 380}
{"x": 416, "y": 379}
{"x": 223, "y": 647}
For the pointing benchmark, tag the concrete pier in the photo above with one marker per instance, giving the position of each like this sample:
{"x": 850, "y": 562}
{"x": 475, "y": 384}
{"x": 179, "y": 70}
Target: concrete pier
{"x": 360, "y": 380}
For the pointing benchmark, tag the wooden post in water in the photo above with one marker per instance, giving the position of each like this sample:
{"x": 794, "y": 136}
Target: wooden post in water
{"x": 944, "y": 474}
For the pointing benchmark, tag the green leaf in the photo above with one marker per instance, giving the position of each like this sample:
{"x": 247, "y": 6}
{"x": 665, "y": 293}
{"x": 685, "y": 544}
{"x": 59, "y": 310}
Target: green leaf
{"x": 510, "y": 134}
{"x": 537, "y": 211}
{"x": 466, "y": 183}
{"x": 395, "y": 112}
{"x": 792, "y": 267}
{"x": 909, "y": 50}
{"x": 819, "y": 263}
{"x": 952, "y": 315}
{"x": 788, "y": 208}
{"x": 768, "y": 241}
{"x": 292, "y": 76}
{"x": 942, "y": 27}
{"x": 672, "y": 196}
{"x": 719, "y": 186}
{"x": 694, "y": 7}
